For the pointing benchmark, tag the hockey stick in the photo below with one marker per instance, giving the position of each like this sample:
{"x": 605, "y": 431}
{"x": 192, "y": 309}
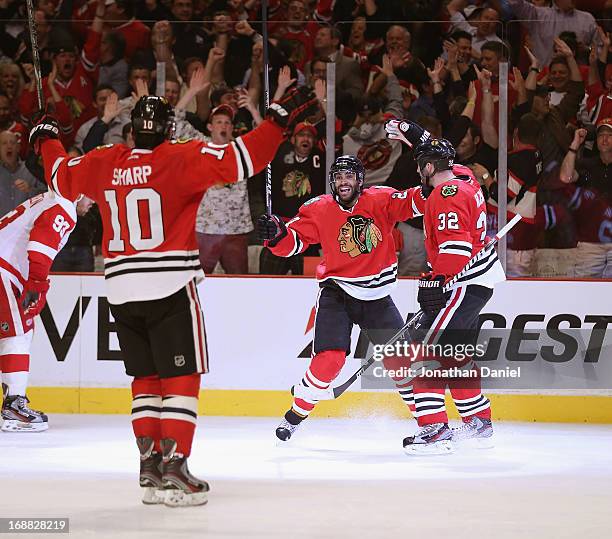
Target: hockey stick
{"x": 35, "y": 55}
{"x": 266, "y": 81}
{"x": 338, "y": 390}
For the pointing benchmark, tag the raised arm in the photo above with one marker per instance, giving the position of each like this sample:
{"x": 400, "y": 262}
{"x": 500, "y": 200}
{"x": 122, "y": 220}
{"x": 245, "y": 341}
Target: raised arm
{"x": 487, "y": 110}
{"x": 568, "y": 173}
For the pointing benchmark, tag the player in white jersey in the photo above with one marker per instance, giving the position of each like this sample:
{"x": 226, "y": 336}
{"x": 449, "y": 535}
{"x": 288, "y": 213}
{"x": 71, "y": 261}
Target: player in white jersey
{"x": 30, "y": 237}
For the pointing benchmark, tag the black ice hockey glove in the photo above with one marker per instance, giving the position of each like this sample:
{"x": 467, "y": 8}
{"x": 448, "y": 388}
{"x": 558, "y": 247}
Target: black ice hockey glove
{"x": 293, "y": 107}
{"x": 271, "y": 229}
{"x": 407, "y": 132}
{"x": 46, "y": 128}
{"x": 431, "y": 294}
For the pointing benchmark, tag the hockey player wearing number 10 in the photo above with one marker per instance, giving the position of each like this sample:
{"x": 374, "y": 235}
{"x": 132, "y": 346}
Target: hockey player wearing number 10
{"x": 148, "y": 199}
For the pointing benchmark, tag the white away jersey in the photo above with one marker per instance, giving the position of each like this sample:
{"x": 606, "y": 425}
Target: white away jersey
{"x": 40, "y": 225}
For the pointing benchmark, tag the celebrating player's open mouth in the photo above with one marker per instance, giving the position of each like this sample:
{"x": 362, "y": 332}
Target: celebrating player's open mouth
{"x": 346, "y": 186}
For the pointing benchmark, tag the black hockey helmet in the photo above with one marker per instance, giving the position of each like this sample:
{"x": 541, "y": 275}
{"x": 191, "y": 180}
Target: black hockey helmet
{"x": 152, "y": 121}
{"x": 438, "y": 151}
{"x": 346, "y": 163}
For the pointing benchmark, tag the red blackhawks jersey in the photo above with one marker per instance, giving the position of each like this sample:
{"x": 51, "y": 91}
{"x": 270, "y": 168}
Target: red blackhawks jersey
{"x": 77, "y": 93}
{"x": 32, "y": 234}
{"x": 592, "y": 211}
{"x": 148, "y": 201}
{"x": 358, "y": 249}
{"x": 455, "y": 227}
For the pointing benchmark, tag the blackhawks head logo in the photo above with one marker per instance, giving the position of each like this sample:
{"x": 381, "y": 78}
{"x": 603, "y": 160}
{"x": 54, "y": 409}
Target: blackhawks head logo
{"x": 296, "y": 184}
{"x": 359, "y": 235}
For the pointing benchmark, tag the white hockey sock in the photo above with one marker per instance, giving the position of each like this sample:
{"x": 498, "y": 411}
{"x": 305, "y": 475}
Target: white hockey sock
{"x": 17, "y": 382}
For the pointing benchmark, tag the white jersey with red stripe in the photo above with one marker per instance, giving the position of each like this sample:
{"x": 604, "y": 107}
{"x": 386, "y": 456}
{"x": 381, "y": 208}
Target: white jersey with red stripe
{"x": 148, "y": 201}
{"x": 455, "y": 227}
{"x": 358, "y": 247}
{"x": 34, "y": 231}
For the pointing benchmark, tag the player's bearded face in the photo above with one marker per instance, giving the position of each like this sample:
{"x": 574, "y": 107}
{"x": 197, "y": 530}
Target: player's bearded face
{"x": 426, "y": 173}
{"x": 346, "y": 186}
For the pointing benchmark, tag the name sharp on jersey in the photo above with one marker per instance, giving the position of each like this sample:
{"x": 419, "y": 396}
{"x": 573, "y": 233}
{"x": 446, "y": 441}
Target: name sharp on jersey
{"x": 131, "y": 176}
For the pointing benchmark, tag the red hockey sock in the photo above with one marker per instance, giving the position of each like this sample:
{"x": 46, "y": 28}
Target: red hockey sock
{"x": 179, "y": 413}
{"x": 15, "y": 369}
{"x": 471, "y": 402}
{"x": 146, "y": 408}
{"x": 324, "y": 367}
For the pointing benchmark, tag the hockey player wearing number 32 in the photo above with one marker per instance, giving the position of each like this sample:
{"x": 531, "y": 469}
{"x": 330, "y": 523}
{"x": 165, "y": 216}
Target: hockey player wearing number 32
{"x": 148, "y": 199}
{"x": 454, "y": 223}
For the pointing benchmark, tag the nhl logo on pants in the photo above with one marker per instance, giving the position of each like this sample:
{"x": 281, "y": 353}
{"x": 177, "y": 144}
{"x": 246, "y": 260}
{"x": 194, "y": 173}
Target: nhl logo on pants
{"x": 179, "y": 361}
{"x": 4, "y": 326}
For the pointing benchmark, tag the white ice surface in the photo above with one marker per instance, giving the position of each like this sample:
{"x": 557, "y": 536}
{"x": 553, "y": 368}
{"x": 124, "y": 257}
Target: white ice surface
{"x": 336, "y": 479}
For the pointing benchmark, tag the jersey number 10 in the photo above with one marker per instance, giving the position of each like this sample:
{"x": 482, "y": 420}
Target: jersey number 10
{"x": 133, "y": 216}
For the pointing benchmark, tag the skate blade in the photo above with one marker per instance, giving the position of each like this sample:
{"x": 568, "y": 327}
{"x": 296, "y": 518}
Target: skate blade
{"x": 180, "y": 498}
{"x": 14, "y": 425}
{"x": 443, "y": 447}
{"x": 150, "y": 496}
{"x": 476, "y": 443}
{"x": 281, "y": 441}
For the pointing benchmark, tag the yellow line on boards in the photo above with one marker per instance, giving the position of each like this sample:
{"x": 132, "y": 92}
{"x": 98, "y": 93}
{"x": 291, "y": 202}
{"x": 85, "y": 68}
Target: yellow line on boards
{"x": 266, "y": 403}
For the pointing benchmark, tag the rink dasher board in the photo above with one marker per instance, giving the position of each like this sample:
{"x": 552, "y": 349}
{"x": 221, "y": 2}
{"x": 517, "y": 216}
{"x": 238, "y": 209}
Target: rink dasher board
{"x": 75, "y": 353}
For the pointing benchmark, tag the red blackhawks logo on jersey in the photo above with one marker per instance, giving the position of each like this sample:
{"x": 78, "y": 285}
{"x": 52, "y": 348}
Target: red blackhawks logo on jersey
{"x": 359, "y": 235}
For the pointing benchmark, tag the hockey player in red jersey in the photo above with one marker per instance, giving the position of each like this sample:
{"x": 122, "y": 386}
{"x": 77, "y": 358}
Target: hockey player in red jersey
{"x": 455, "y": 230}
{"x": 30, "y": 237}
{"x": 359, "y": 269}
{"x": 148, "y": 198}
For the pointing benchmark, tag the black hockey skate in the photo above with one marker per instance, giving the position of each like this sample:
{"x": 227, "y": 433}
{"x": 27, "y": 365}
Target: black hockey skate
{"x": 288, "y": 426}
{"x": 179, "y": 488}
{"x": 433, "y": 439}
{"x": 150, "y": 470}
{"x": 17, "y": 416}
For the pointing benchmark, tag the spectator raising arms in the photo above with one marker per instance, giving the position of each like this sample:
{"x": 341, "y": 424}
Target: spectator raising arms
{"x": 547, "y": 22}
{"x": 591, "y": 202}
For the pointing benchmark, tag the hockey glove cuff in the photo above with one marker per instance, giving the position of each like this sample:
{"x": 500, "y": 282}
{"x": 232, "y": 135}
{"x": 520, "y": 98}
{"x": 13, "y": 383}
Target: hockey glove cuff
{"x": 293, "y": 107}
{"x": 46, "y": 128}
{"x": 431, "y": 294}
{"x": 271, "y": 229}
{"x": 408, "y": 132}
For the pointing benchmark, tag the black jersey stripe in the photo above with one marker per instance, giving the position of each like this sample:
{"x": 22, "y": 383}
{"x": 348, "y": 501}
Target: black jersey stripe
{"x": 456, "y": 247}
{"x": 154, "y": 260}
{"x": 152, "y": 270}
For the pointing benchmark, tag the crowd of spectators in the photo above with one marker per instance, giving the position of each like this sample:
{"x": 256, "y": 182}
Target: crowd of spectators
{"x": 436, "y": 62}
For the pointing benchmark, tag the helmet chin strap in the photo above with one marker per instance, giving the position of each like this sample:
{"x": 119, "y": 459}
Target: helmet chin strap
{"x": 426, "y": 188}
